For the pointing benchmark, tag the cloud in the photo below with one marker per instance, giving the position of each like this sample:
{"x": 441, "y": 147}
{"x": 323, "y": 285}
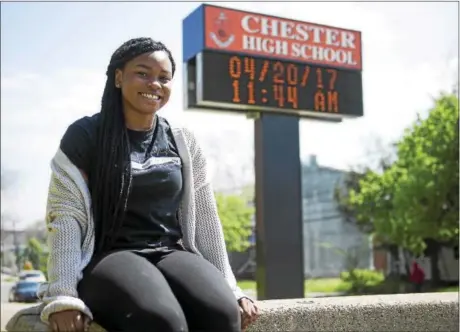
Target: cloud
{"x": 36, "y": 110}
{"x": 18, "y": 81}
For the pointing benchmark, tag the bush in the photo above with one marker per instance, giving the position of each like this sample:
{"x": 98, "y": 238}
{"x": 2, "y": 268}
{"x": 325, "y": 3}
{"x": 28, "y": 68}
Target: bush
{"x": 361, "y": 279}
{"x": 28, "y": 266}
{"x": 390, "y": 285}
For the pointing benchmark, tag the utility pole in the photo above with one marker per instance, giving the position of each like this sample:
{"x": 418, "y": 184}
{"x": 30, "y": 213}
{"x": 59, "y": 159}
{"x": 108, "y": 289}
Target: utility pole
{"x": 16, "y": 245}
{"x": 14, "y": 232}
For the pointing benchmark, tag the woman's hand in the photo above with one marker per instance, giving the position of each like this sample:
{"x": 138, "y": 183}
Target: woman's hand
{"x": 69, "y": 321}
{"x": 249, "y": 312}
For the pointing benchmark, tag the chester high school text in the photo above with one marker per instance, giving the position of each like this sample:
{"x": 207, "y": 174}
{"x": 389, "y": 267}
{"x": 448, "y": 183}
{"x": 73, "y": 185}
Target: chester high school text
{"x": 297, "y": 40}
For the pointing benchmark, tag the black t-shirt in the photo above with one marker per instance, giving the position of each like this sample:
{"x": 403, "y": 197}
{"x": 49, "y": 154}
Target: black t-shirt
{"x": 156, "y": 189}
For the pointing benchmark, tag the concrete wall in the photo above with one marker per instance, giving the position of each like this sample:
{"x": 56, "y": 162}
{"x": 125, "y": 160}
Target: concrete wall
{"x": 404, "y": 312}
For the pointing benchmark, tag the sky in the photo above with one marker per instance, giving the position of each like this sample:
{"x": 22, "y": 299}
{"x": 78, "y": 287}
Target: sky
{"x": 54, "y": 57}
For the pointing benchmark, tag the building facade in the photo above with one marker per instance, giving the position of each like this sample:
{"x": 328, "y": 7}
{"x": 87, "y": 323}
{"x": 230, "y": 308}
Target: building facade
{"x": 331, "y": 244}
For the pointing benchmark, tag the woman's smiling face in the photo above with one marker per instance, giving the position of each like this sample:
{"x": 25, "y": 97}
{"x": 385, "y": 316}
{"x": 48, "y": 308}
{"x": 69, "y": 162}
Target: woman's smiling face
{"x": 145, "y": 82}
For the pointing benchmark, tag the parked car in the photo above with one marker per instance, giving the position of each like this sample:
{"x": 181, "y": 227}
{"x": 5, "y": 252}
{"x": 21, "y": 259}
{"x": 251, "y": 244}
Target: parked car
{"x": 24, "y": 291}
{"x": 32, "y": 275}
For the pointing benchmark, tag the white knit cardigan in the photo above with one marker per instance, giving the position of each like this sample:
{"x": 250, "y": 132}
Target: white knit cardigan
{"x": 71, "y": 226}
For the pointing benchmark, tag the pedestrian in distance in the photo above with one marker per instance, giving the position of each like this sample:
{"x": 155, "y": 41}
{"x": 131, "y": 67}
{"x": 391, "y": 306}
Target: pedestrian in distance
{"x": 417, "y": 277}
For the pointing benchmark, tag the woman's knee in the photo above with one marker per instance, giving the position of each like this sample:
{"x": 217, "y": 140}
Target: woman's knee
{"x": 161, "y": 317}
{"x": 225, "y": 316}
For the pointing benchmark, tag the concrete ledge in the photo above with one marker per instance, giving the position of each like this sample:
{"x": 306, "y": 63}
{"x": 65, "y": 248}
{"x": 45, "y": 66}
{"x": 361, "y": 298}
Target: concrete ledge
{"x": 402, "y": 312}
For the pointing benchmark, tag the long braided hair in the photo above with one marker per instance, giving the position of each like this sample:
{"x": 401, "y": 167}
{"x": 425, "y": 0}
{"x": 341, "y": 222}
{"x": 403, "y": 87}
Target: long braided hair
{"x": 111, "y": 177}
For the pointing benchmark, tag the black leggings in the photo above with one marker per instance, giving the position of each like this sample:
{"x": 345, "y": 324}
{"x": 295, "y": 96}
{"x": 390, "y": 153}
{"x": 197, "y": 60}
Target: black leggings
{"x": 170, "y": 290}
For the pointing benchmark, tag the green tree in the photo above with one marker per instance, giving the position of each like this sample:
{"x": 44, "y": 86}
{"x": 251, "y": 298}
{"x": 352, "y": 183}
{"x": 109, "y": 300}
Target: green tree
{"x": 364, "y": 218}
{"x": 428, "y": 170}
{"x": 384, "y": 158}
{"x": 36, "y": 254}
{"x": 428, "y": 167}
{"x": 235, "y": 215}
{"x": 414, "y": 202}
{"x": 348, "y": 211}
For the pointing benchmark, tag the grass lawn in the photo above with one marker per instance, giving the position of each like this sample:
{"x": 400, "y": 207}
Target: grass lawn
{"x": 247, "y": 285}
{"x": 10, "y": 279}
{"x": 323, "y": 285}
{"x": 448, "y": 289}
{"x": 335, "y": 285}
{"x": 326, "y": 285}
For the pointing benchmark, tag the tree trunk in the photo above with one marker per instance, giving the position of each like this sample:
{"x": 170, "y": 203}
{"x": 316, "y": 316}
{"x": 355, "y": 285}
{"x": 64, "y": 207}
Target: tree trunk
{"x": 394, "y": 264}
{"x": 407, "y": 261}
{"x": 433, "y": 248}
{"x": 435, "y": 273}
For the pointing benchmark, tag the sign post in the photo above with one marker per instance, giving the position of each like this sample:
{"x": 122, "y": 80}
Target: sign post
{"x": 242, "y": 62}
{"x": 279, "y": 241}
